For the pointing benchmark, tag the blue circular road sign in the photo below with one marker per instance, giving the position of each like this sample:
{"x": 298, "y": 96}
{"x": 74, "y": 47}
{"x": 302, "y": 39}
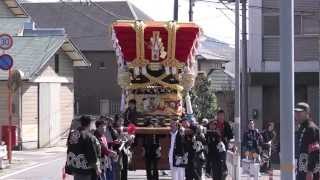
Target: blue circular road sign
{"x": 6, "y": 62}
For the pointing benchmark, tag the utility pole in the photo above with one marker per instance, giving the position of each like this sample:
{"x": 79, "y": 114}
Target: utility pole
{"x": 191, "y": 4}
{"x": 244, "y": 73}
{"x": 176, "y": 10}
{"x": 237, "y": 91}
{"x": 287, "y": 162}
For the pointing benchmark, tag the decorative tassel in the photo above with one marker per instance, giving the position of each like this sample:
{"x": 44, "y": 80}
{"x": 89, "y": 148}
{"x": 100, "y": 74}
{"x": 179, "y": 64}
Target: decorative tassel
{"x": 144, "y": 70}
{"x": 136, "y": 71}
{"x": 174, "y": 70}
{"x": 188, "y": 104}
{"x": 167, "y": 70}
{"x": 123, "y": 102}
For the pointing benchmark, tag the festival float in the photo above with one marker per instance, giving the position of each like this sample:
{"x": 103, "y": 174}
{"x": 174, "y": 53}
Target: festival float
{"x": 157, "y": 68}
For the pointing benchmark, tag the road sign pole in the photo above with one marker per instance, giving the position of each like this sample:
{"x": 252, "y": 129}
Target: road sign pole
{"x": 9, "y": 118}
{"x": 287, "y": 162}
{"x": 6, "y": 63}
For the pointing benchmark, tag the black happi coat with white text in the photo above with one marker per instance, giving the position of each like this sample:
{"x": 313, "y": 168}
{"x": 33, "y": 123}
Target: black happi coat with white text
{"x": 217, "y": 154}
{"x": 198, "y": 149}
{"x": 83, "y": 153}
{"x": 307, "y": 148}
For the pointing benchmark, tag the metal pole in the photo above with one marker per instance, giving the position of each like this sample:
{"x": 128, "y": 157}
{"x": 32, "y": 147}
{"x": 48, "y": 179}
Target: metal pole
{"x": 287, "y": 162}
{"x": 20, "y": 119}
{"x": 237, "y": 91}
{"x": 9, "y": 118}
{"x": 176, "y": 10}
{"x": 244, "y": 67}
{"x": 191, "y": 10}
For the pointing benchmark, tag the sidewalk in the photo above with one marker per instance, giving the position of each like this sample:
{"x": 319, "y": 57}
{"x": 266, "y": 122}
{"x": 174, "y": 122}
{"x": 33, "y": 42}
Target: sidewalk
{"x": 29, "y": 158}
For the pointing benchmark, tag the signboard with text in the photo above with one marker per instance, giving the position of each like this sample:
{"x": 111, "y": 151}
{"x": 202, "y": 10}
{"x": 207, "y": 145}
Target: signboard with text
{"x": 6, "y": 41}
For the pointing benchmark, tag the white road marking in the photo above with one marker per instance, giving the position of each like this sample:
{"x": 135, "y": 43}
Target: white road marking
{"x": 32, "y": 167}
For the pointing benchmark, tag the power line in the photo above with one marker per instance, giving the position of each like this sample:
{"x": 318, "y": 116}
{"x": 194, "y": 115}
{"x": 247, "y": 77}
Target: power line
{"x": 225, "y": 5}
{"x": 109, "y": 12}
{"x": 84, "y": 14}
{"x": 231, "y": 20}
{"x": 317, "y": 10}
{"x": 220, "y": 10}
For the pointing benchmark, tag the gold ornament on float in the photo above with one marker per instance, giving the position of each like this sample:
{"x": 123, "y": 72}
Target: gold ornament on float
{"x": 188, "y": 80}
{"x": 123, "y": 78}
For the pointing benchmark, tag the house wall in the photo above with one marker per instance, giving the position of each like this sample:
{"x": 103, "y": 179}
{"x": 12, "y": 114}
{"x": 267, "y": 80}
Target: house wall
{"x": 3, "y": 102}
{"x": 29, "y": 121}
{"x": 307, "y": 30}
{"x": 66, "y": 95}
{"x": 313, "y": 100}
{"x": 4, "y": 107}
{"x": 299, "y": 5}
{"x": 4, "y": 11}
{"x": 264, "y": 54}
{"x": 67, "y": 108}
{"x": 207, "y": 65}
{"x": 255, "y": 36}
{"x": 65, "y": 74}
{"x": 30, "y": 100}
{"x": 225, "y": 101}
{"x": 49, "y": 114}
{"x": 29, "y": 112}
{"x": 264, "y": 29}
{"x": 255, "y": 103}
{"x": 97, "y": 83}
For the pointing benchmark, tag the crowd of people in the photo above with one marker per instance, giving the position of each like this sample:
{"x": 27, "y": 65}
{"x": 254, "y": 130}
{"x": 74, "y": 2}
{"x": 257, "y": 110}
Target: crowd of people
{"x": 100, "y": 154}
{"x": 196, "y": 150}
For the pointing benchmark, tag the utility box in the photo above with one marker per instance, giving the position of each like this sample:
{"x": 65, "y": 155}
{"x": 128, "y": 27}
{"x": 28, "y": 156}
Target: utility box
{"x": 5, "y": 135}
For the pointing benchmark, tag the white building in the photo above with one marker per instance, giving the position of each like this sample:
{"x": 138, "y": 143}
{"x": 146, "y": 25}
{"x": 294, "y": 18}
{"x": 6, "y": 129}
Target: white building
{"x": 264, "y": 55}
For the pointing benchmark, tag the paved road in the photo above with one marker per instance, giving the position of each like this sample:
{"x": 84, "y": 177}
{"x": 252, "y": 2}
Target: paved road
{"x": 39, "y": 166}
{"x": 47, "y": 164}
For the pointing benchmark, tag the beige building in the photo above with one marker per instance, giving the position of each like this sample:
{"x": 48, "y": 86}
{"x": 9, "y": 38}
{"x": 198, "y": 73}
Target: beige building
{"x": 43, "y": 107}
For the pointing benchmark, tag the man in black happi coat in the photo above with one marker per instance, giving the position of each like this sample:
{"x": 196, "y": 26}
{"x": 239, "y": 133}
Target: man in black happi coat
{"x": 217, "y": 152}
{"x": 83, "y": 153}
{"x": 307, "y": 144}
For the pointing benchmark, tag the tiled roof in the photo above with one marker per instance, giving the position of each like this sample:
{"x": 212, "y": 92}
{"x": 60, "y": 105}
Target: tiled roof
{"x": 213, "y": 48}
{"x": 86, "y": 24}
{"x": 12, "y": 25}
{"x": 31, "y": 53}
{"x": 221, "y": 81}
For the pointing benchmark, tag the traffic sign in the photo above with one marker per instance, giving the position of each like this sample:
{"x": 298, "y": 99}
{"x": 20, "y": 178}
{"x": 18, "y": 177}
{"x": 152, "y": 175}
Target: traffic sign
{"x": 6, "y": 62}
{"x": 6, "y": 41}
